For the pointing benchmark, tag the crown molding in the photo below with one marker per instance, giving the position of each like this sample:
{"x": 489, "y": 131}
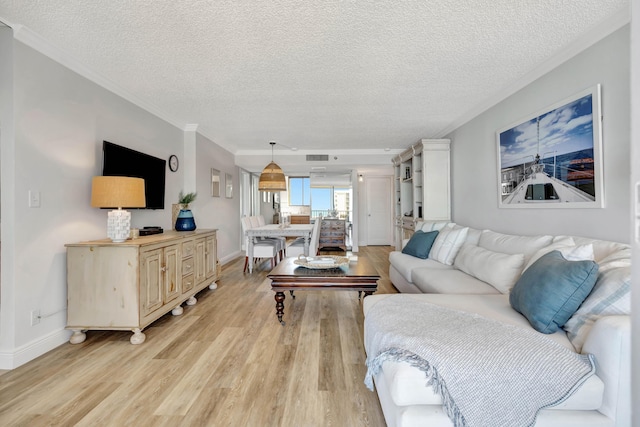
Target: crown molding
{"x": 597, "y": 33}
{"x": 40, "y": 44}
{"x": 339, "y": 152}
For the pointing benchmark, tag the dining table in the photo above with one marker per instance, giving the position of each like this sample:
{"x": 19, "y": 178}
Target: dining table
{"x": 278, "y": 230}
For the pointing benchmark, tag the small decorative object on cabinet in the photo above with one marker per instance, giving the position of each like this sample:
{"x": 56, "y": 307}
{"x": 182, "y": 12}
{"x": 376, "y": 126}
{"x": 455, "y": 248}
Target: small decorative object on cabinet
{"x": 126, "y": 286}
{"x": 332, "y": 234}
{"x": 185, "y": 220}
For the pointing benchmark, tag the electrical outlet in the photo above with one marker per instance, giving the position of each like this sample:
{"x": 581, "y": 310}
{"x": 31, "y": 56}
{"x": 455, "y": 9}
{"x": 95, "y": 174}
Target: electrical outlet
{"x": 35, "y": 317}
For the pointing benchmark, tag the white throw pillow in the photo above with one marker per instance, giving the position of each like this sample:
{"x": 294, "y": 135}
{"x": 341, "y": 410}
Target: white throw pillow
{"x": 447, "y": 244}
{"x": 570, "y": 253}
{"x": 578, "y": 253}
{"x": 565, "y": 242}
{"x": 473, "y": 236}
{"x": 610, "y": 296}
{"x": 499, "y": 270}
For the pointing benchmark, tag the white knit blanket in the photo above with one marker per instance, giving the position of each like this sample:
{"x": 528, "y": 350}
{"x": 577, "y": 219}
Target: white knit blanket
{"x": 488, "y": 373}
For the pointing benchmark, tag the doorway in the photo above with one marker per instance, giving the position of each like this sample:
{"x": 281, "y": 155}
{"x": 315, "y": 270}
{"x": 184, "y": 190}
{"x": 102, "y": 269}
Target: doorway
{"x": 378, "y": 213}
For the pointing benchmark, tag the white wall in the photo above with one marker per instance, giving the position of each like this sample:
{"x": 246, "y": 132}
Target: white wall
{"x": 217, "y": 212}
{"x": 635, "y": 210}
{"x": 473, "y": 149}
{"x": 60, "y": 121}
{"x": 7, "y": 305}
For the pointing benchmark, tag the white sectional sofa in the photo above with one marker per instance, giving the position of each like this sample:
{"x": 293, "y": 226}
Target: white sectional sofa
{"x": 480, "y": 268}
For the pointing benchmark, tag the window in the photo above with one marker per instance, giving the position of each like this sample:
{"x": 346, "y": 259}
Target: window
{"x": 321, "y": 199}
{"x": 299, "y": 191}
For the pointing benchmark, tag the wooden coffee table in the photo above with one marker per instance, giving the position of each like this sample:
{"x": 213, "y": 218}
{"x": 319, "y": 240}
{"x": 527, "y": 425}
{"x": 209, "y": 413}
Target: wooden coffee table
{"x": 358, "y": 276}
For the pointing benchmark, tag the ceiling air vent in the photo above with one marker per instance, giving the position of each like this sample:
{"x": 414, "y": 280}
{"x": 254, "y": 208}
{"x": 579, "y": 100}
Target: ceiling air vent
{"x": 317, "y": 157}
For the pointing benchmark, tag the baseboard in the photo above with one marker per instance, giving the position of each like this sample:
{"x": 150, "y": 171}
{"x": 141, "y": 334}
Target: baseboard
{"x": 227, "y": 259}
{"x": 34, "y": 349}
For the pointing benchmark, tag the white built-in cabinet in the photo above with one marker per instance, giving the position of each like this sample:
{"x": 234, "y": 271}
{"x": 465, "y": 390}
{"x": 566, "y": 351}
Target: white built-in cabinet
{"x": 127, "y": 286}
{"x": 422, "y": 186}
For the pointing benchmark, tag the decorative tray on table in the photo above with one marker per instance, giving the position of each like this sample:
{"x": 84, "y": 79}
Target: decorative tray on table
{"x": 321, "y": 262}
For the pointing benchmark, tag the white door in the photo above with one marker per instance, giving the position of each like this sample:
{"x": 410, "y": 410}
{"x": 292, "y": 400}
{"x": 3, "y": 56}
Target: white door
{"x": 378, "y": 213}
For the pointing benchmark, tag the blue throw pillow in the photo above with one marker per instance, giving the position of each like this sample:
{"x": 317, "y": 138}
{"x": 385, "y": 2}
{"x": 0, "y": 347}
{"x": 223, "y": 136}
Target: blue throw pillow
{"x": 552, "y": 289}
{"x": 420, "y": 244}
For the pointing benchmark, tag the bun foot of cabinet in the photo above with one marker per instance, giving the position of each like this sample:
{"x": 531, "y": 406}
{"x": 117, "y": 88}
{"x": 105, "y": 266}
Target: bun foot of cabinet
{"x": 78, "y": 337}
{"x": 213, "y": 286}
{"x": 192, "y": 301}
{"x": 138, "y": 337}
{"x": 177, "y": 311}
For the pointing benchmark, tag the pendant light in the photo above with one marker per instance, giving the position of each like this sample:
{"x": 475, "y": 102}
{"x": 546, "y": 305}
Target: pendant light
{"x": 272, "y": 178}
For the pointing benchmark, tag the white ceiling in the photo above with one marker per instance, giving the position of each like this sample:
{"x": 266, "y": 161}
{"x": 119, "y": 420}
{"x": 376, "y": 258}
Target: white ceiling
{"x": 320, "y": 76}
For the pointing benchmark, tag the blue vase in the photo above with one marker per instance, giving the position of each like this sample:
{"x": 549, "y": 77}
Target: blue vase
{"x": 185, "y": 221}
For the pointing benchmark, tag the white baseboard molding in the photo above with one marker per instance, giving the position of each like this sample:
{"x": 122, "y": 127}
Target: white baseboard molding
{"x": 34, "y": 349}
{"x": 227, "y": 259}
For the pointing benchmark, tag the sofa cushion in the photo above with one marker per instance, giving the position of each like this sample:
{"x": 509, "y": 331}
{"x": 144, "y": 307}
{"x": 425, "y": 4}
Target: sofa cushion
{"x": 497, "y": 269}
{"x": 407, "y": 387}
{"x": 447, "y": 244}
{"x": 511, "y": 244}
{"x": 449, "y": 281}
{"x": 611, "y": 295}
{"x": 601, "y": 248}
{"x": 550, "y": 291}
{"x": 406, "y": 384}
{"x": 420, "y": 244}
{"x": 569, "y": 252}
{"x": 406, "y": 263}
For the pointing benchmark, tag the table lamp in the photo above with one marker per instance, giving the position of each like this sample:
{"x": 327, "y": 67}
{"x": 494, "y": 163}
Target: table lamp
{"x": 118, "y": 192}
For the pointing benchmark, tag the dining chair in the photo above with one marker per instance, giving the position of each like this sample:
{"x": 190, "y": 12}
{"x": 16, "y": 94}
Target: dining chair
{"x": 259, "y": 221}
{"x": 261, "y": 248}
{"x": 296, "y": 248}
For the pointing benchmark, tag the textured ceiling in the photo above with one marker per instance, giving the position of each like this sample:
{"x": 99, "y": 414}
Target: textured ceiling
{"x": 313, "y": 74}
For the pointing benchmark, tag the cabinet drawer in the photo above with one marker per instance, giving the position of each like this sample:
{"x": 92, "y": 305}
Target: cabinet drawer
{"x": 188, "y": 282}
{"x": 330, "y": 240}
{"x": 187, "y": 266}
{"x": 187, "y": 248}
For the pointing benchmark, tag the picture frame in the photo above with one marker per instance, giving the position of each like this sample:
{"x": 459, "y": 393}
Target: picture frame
{"x": 553, "y": 159}
{"x": 215, "y": 183}
{"x": 228, "y": 181}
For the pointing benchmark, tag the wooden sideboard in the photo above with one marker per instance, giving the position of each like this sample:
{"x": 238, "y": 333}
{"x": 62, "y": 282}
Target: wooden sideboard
{"x": 127, "y": 286}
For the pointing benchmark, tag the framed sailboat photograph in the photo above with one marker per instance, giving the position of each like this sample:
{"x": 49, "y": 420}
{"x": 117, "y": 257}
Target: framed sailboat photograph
{"x": 553, "y": 158}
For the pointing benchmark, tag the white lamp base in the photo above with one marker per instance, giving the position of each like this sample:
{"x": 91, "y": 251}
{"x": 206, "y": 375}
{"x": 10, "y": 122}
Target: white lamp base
{"x": 118, "y": 225}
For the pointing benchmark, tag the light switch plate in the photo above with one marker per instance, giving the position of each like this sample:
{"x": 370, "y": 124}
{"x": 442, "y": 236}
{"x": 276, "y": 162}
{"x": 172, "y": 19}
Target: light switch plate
{"x": 34, "y": 199}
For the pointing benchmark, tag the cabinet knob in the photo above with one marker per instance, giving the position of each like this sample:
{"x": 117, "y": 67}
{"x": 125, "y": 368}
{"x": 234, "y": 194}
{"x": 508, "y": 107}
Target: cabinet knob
{"x": 163, "y": 269}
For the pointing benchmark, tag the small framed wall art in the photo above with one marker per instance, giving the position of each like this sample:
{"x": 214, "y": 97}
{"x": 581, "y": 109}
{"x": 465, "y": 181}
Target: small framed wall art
{"x": 215, "y": 183}
{"x": 228, "y": 181}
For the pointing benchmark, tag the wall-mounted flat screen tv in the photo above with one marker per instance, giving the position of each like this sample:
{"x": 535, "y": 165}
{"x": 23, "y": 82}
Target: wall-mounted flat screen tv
{"x": 122, "y": 161}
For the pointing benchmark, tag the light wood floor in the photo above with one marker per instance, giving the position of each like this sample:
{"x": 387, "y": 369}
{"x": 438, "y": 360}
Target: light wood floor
{"x": 225, "y": 362}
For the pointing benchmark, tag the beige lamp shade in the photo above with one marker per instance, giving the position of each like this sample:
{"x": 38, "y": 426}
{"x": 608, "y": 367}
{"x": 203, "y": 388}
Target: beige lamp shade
{"x": 117, "y": 192}
{"x": 272, "y": 179}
